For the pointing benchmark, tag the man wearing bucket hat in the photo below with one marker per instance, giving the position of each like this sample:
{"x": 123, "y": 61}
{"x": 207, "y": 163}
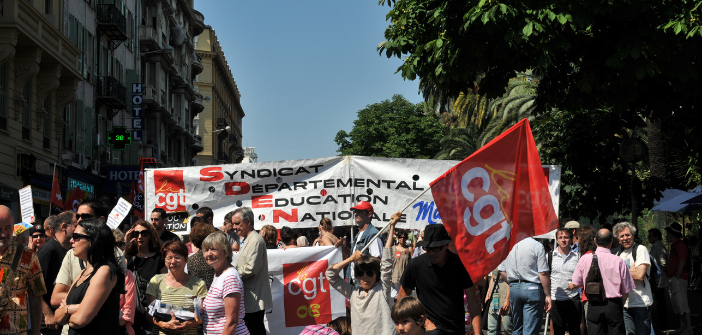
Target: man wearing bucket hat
{"x": 677, "y": 272}
{"x": 441, "y": 281}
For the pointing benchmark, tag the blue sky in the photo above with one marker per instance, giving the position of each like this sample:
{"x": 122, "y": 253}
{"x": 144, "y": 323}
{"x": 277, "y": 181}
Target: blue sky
{"x": 304, "y": 69}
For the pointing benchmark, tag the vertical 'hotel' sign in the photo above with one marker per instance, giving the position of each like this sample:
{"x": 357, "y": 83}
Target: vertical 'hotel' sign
{"x": 137, "y": 100}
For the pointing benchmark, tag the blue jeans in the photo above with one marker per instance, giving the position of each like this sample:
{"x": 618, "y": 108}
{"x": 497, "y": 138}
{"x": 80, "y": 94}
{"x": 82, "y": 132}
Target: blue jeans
{"x": 637, "y": 320}
{"x": 526, "y": 300}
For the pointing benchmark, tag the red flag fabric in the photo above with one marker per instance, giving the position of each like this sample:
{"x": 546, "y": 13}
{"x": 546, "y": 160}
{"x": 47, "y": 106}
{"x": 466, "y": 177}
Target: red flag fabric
{"x": 56, "y": 198}
{"x": 73, "y": 201}
{"x": 495, "y": 198}
{"x": 137, "y": 200}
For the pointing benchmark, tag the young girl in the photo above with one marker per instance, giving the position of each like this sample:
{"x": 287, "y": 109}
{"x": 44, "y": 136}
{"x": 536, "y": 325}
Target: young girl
{"x": 370, "y": 313}
{"x": 408, "y": 315}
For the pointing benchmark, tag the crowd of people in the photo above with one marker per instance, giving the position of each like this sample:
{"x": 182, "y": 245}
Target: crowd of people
{"x": 74, "y": 275}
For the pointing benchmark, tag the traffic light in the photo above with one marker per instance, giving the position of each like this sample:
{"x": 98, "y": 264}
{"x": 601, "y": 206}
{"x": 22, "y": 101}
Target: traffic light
{"x": 119, "y": 138}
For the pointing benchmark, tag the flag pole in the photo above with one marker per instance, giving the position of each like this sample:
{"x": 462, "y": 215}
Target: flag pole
{"x": 388, "y": 224}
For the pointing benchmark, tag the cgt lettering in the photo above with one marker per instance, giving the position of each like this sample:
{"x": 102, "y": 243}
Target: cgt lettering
{"x": 487, "y": 209}
{"x": 171, "y": 201}
{"x": 308, "y": 286}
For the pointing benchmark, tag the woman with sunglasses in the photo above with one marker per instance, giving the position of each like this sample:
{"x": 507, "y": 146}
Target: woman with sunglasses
{"x": 370, "y": 313}
{"x": 401, "y": 256}
{"x": 144, "y": 259}
{"x": 92, "y": 303}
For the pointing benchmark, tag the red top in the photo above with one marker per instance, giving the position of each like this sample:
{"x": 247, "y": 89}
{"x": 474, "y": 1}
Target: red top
{"x": 678, "y": 251}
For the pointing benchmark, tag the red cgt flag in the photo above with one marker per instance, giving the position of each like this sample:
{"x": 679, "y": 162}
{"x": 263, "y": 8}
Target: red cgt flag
{"x": 136, "y": 198}
{"x": 495, "y": 198}
{"x": 56, "y": 198}
{"x": 73, "y": 201}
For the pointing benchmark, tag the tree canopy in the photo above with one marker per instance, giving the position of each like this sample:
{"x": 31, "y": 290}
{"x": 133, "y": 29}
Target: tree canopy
{"x": 589, "y": 54}
{"x": 393, "y": 128}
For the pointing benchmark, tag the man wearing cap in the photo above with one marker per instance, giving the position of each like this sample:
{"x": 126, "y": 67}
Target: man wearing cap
{"x": 677, "y": 272}
{"x": 441, "y": 280}
{"x": 573, "y": 226}
{"x": 526, "y": 271}
{"x": 363, "y": 214}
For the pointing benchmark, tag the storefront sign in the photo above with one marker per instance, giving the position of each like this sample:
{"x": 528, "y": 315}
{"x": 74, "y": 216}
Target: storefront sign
{"x": 88, "y": 189}
{"x": 41, "y": 196}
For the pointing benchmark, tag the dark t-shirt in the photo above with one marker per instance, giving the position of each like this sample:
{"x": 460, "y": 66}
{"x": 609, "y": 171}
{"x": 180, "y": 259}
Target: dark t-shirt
{"x": 168, "y": 236}
{"x": 144, "y": 269}
{"x": 50, "y": 256}
{"x": 440, "y": 289}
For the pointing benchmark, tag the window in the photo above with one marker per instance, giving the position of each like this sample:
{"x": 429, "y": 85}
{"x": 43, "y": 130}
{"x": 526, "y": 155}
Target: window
{"x": 47, "y": 6}
{"x": 3, "y": 114}
{"x": 47, "y": 122}
{"x": 26, "y": 111}
{"x": 67, "y": 117}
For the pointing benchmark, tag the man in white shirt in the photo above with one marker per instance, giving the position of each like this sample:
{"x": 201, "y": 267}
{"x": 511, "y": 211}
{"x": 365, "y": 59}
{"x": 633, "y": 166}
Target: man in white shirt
{"x": 637, "y": 308}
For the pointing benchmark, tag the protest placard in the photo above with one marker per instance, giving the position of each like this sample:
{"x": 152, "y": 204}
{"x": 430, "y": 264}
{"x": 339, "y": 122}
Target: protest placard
{"x": 26, "y": 204}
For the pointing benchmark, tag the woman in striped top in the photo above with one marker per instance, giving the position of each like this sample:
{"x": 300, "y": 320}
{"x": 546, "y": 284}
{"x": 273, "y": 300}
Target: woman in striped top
{"x": 223, "y": 308}
{"x": 177, "y": 288}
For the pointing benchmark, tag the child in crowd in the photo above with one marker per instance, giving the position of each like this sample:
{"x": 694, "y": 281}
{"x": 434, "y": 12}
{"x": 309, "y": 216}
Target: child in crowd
{"x": 370, "y": 313}
{"x": 408, "y": 315}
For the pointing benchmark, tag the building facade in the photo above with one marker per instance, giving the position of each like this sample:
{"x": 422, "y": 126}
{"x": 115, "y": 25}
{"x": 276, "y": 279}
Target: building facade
{"x": 219, "y": 124}
{"x": 39, "y": 75}
{"x": 72, "y": 72}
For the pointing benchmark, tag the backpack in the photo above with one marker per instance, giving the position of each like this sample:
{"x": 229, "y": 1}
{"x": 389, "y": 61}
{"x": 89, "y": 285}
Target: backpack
{"x": 655, "y": 273}
{"x": 594, "y": 287}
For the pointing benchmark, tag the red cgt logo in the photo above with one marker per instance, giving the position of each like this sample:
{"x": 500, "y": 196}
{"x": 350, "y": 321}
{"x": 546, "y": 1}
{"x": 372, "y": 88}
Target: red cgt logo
{"x": 306, "y": 294}
{"x": 170, "y": 190}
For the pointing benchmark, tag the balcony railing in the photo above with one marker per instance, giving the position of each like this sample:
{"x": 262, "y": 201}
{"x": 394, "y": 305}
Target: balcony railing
{"x": 199, "y": 24}
{"x": 197, "y": 64}
{"x": 111, "y": 93}
{"x": 148, "y": 36}
{"x": 111, "y": 22}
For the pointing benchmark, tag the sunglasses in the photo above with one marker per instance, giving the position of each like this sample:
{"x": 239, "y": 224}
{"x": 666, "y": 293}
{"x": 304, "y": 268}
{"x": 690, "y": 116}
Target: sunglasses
{"x": 77, "y": 237}
{"x": 38, "y": 236}
{"x": 436, "y": 249}
{"x": 360, "y": 273}
{"x": 84, "y": 216}
{"x": 142, "y": 233}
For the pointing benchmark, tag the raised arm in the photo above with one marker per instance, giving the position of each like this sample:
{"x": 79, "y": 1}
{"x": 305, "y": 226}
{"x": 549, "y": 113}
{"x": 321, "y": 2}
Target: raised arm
{"x": 391, "y": 234}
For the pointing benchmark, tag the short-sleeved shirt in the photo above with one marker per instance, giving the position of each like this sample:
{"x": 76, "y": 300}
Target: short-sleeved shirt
{"x": 177, "y": 296}
{"x": 641, "y": 295}
{"x": 678, "y": 251}
{"x": 214, "y": 316}
{"x": 50, "y": 256}
{"x": 562, "y": 268}
{"x": 440, "y": 289}
{"x": 168, "y": 236}
{"x": 232, "y": 237}
{"x": 524, "y": 262}
{"x": 14, "y": 319}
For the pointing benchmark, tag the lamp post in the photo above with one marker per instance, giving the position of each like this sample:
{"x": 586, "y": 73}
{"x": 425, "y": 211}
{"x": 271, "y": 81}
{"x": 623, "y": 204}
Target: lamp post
{"x": 633, "y": 150}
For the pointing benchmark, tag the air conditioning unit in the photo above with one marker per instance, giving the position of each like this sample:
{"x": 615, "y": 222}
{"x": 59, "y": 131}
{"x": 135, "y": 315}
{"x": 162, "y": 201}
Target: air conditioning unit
{"x": 95, "y": 166}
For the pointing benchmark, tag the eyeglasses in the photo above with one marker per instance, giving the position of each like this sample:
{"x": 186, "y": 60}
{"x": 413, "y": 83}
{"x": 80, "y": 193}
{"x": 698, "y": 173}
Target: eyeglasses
{"x": 142, "y": 233}
{"x": 38, "y": 236}
{"x": 368, "y": 273}
{"x": 77, "y": 237}
{"x": 437, "y": 249}
{"x": 84, "y": 216}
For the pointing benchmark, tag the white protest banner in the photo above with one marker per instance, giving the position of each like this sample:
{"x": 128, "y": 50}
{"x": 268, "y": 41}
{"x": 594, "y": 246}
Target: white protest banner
{"x": 301, "y": 293}
{"x": 26, "y": 204}
{"x": 118, "y": 213}
{"x": 299, "y": 193}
